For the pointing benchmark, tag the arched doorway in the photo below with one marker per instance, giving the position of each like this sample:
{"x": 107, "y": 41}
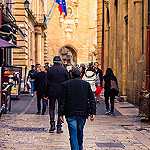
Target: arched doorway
{"x": 68, "y": 55}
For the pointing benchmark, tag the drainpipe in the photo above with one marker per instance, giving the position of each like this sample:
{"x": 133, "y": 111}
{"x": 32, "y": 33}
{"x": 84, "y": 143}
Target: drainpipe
{"x": 142, "y": 26}
{"x": 102, "y": 46}
{"x": 148, "y": 51}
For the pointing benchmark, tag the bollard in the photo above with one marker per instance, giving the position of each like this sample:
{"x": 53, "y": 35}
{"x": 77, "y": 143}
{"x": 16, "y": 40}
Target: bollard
{"x": 2, "y": 109}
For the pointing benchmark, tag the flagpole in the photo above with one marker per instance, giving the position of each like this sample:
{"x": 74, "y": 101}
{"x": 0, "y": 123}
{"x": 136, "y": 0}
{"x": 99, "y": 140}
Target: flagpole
{"x": 49, "y": 13}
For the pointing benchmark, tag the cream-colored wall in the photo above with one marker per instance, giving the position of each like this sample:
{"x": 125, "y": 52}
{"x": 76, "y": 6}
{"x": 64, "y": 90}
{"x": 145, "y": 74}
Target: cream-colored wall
{"x": 92, "y": 29}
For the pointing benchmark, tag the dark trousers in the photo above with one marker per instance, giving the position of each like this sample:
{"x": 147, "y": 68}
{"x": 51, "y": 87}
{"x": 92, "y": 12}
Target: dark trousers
{"x": 39, "y": 98}
{"x": 111, "y": 102}
{"x": 52, "y": 100}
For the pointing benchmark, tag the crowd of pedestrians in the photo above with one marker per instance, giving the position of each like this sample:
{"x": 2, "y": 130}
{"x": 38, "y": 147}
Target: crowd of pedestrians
{"x": 75, "y": 89}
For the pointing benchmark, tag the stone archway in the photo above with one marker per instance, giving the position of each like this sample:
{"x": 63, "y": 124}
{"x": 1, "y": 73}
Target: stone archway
{"x": 68, "y": 55}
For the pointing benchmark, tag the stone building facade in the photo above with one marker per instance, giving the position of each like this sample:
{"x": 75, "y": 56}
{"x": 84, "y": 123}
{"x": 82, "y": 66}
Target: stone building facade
{"x": 125, "y": 44}
{"x": 31, "y": 21}
{"x": 75, "y": 38}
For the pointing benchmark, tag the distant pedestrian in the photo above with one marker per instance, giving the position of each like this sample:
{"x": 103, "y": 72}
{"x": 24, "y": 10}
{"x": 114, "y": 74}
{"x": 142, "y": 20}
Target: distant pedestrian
{"x": 46, "y": 68}
{"x": 109, "y": 93}
{"x": 77, "y": 103}
{"x": 99, "y": 74}
{"x": 56, "y": 75}
{"x": 31, "y": 78}
{"x": 90, "y": 76}
{"x": 39, "y": 88}
{"x": 82, "y": 67}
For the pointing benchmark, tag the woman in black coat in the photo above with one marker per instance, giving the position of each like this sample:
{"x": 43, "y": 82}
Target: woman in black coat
{"x": 40, "y": 88}
{"x": 109, "y": 92}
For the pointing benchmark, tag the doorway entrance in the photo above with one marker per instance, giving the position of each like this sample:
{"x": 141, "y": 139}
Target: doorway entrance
{"x": 68, "y": 55}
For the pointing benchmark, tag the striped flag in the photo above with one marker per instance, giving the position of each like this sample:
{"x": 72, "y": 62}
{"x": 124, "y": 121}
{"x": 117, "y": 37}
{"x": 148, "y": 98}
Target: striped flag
{"x": 62, "y": 7}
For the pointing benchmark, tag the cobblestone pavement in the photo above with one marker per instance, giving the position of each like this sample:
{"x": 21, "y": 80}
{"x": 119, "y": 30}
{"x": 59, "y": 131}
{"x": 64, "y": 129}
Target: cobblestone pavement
{"x": 22, "y": 129}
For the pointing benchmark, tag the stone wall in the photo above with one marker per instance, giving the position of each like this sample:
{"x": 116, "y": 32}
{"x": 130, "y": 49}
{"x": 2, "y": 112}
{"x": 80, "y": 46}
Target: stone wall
{"x": 123, "y": 45}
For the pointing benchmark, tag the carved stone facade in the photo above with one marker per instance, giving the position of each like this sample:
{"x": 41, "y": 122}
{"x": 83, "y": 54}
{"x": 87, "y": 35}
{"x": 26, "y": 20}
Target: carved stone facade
{"x": 34, "y": 46}
{"x": 73, "y": 33}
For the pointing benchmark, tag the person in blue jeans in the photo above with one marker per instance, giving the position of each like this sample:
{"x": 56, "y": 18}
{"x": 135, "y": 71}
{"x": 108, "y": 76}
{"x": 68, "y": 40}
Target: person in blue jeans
{"x": 76, "y": 103}
{"x": 31, "y": 77}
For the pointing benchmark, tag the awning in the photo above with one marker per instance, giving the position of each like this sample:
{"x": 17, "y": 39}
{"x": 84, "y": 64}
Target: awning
{"x": 6, "y": 44}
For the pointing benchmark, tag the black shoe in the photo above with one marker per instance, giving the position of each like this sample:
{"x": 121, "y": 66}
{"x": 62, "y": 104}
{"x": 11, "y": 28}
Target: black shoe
{"x": 38, "y": 113}
{"x": 51, "y": 129}
{"x": 59, "y": 131}
{"x": 43, "y": 113}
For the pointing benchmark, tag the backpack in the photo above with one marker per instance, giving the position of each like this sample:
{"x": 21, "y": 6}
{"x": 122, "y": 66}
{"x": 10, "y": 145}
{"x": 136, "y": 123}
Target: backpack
{"x": 114, "y": 87}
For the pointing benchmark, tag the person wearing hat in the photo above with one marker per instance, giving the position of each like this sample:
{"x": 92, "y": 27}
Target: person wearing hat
{"x": 77, "y": 103}
{"x": 56, "y": 75}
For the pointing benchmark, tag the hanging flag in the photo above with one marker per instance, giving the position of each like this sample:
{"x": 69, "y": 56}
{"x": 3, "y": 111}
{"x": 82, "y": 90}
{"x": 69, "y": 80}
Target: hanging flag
{"x": 62, "y": 8}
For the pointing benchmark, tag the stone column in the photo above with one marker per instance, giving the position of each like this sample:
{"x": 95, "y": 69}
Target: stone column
{"x": 106, "y": 37}
{"x": 124, "y": 52}
{"x": 115, "y": 43}
{"x": 138, "y": 44}
{"x": 45, "y": 47}
{"x": 38, "y": 43}
{"x": 99, "y": 32}
{"x": 42, "y": 49}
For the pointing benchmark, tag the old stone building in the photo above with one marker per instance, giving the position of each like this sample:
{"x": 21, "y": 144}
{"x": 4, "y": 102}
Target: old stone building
{"x": 31, "y": 21}
{"x": 125, "y": 42}
{"x": 75, "y": 38}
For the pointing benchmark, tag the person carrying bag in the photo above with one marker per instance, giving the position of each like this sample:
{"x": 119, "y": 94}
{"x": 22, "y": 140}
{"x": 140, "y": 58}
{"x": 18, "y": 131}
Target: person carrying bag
{"x": 111, "y": 90}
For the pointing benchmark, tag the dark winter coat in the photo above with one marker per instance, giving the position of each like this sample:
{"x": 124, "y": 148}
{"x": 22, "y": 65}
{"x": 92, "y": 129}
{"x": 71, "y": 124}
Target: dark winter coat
{"x": 107, "y": 78}
{"x": 31, "y": 74}
{"x": 56, "y": 75}
{"x": 77, "y": 98}
{"x": 39, "y": 84}
{"x": 100, "y": 73}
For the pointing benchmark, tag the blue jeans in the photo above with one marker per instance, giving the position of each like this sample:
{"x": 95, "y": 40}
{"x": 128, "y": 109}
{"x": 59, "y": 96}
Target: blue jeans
{"x": 32, "y": 87}
{"x": 75, "y": 126}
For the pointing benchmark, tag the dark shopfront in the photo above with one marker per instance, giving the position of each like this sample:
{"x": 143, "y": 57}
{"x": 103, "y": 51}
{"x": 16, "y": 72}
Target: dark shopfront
{"x": 8, "y": 41}
{"x": 8, "y": 31}
{"x": 5, "y": 56}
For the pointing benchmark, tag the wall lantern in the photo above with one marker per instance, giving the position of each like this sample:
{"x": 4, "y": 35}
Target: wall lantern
{"x": 26, "y": 4}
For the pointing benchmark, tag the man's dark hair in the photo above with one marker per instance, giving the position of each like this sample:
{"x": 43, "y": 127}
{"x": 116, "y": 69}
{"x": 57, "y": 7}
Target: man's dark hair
{"x": 76, "y": 72}
{"x": 95, "y": 62}
{"x": 32, "y": 66}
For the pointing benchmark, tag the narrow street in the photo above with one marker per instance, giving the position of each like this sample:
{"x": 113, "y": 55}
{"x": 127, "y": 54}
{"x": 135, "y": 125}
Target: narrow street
{"x": 23, "y": 129}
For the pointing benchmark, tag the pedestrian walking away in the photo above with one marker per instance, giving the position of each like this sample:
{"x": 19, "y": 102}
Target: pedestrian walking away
{"x": 90, "y": 76}
{"x": 99, "y": 87}
{"x": 56, "y": 75}
{"x": 31, "y": 78}
{"x": 77, "y": 103}
{"x": 109, "y": 93}
{"x": 39, "y": 87}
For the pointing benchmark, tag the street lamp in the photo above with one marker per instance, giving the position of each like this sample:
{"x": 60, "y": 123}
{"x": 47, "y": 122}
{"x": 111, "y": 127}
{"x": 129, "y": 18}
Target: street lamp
{"x": 26, "y": 4}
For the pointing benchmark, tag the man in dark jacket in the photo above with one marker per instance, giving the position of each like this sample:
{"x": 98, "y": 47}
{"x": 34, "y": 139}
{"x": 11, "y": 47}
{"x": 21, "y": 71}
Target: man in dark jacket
{"x": 77, "y": 103}
{"x": 56, "y": 75}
